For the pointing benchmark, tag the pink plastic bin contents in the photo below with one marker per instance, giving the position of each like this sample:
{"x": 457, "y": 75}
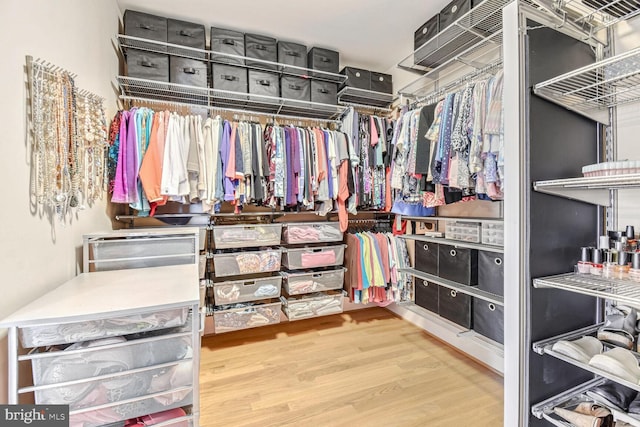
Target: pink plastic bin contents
{"x": 159, "y": 417}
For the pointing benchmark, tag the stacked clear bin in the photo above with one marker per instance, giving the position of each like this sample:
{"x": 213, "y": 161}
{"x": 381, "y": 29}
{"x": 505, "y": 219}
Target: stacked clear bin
{"x": 493, "y": 234}
{"x": 243, "y": 289}
{"x": 314, "y": 278}
{"x": 463, "y": 231}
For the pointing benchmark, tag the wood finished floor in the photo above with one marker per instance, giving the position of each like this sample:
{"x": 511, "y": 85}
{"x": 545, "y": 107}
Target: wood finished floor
{"x": 361, "y": 368}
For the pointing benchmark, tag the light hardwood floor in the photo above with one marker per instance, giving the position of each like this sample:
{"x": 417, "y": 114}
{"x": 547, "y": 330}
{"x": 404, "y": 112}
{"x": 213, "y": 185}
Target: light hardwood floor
{"x": 361, "y": 368}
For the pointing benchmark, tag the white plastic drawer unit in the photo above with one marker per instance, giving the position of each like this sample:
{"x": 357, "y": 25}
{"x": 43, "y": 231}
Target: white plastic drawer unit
{"x": 230, "y": 292}
{"x": 306, "y": 282}
{"x": 493, "y": 234}
{"x": 246, "y": 262}
{"x": 244, "y": 316}
{"x": 464, "y": 231}
{"x": 141, "y": 248}
{"x": 63, "y": 333}
{"x": 313, "y": 257}
{"x": 313, "y": 305}
{"x": 312, "y": 232}
{"x": 246, "y": 236}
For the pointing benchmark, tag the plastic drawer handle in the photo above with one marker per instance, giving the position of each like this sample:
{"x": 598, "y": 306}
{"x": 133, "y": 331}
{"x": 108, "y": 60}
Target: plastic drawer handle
{"x": 229, "y": 42}
{"x": 147, "y": 64}
{"x": 264, "y": 82}
{"x": 452, "y": 252}
{"x": 498, "y": 261}
{"x": 260, "y": 47}
{"x": 454, "y": 294}
{"x": 425, "y": 247}
{"x": 229, "y": 78}
{"x": 185, "y": 33}
{"x": 189, "y": 70}
{"x": 323, "y": 90}
{"x": 325, "y": 59}
{"x": 146, "y": 27}
{"x": 317, "y": 275}
{"x": 249, "y": 283}
{"x": 492, "y": 307}
{"x": 292, "y": 53}
{"x": 295, "y": 87}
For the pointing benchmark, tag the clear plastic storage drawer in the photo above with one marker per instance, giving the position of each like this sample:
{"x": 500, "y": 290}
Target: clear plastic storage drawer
{"x": 312, "y": 232}
{"x": 248, "y": 262}
{"x": 319, "y": 256}
{"x": 247, "y": 290}
{"x": 464, "y": 231}
{"x": 313, "y": 305}
{"x": 118, "y": 387}
{"x": 244, "y": 236}
{"x": 244, "y": 316}
{"x": 295, "y": 283}
{"x": 493, "y": 234}
{"x": 36, "y": 336}
{"x": 108, "y": 355}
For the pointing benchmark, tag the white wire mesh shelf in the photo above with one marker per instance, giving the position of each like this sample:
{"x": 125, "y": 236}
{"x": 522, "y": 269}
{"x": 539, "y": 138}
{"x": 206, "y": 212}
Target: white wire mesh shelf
{"x": 595, "y": 15}
{"x": 624, "y": 291}
{"x": 459, "y": 287}
{"x": 592, "y": 89}
{"x": 129, "y": 42}
{"x": 206, "y": 98}
{"x": 473, "y": 27}
{"x": 353, "y": 95}
{"x": 593, "y": 189}
{"x": 454, "y": 243}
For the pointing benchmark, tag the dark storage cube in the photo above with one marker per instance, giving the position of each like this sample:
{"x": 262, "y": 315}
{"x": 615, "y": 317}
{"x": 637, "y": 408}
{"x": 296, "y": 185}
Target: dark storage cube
{"x": 264, "y": 83}
{"x": 260, "y": 47}
{"x": 427, "y": 295}
{"x": 458, "y": 264}
{"x": 357, "y": 77}
{"x": 227, "y": 41}
{"x": 426, "y": 32}
{"x": 488, "y": 320}
{"x": 453, "y": 11}
{"x": 186, "y": 34}
{"x": 295, "y": 54}
{"x": 145, "y": 26}
{"x": 455, "y": 306}
{"x": 324, "y": 92}
{"x": 427, "y": 257}
{"x": 295, "y": 88}
{"x": 187, "y": 71}
{"x": 323, "y": 60}
{"x": 147, "y": 65}
{"x": 381, "y": 82}
{"x": 491, "y": 272}
{"x": 229, "y": 77}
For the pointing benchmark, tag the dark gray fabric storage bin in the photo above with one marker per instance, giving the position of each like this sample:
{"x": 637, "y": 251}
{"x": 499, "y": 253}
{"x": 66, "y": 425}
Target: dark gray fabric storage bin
{"x": 324, "y": 92}
{"x": 427, "y": 295}
{"x": 455, "y": 307}
{"x": 295, "y": 54}
{"x": 357, "y": 77}
{"x": 491, "y": 272}
{"x": 426, "y": 32}
{"x": 145, "y": 26}
{"x": 186, "y": 34}
{"x": 488, "y": 320}
{"x": 260, "y": 47}
{"x": 264, "y": 83}
{"x": 227, "y": 41}
{"x": 458, "y": 264}
{"x": 427, "y": 257}
{"x": 453, "y": 11}
{"x": 323, "y": 60}
{"x": 381, "y": 82}
{"x": 296, "y": 88}
{"x": 229, "y": 77}
{"x": 187, "y": 71}
{"x": 147, "y": 65}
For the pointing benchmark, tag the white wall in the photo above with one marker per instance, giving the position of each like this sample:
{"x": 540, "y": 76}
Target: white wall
{"x": 76, "y": 35}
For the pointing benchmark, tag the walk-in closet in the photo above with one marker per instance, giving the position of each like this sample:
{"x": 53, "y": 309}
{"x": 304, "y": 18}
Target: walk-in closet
{"x": 342, "y": 213}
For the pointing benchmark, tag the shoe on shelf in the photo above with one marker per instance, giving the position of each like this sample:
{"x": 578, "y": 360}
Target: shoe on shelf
{"x": 619, "y": 328}
{"x": 634, "y": 407}
{"x": 587, "y": 414}
{"x": 618, "y": 362}
{"x": 582, "y": 349}
{"x": 614, "y": 395}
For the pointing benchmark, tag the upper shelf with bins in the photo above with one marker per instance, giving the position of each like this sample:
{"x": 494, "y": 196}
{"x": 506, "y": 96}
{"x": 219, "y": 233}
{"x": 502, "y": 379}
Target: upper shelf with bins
{"x": 592, "y": 89}
{"x": 593, "y": 189}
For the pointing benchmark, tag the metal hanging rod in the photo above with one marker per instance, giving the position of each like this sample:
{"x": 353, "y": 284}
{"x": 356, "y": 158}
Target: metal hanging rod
{"x": 135, "y": 99}
{"x": 441, "y": 93}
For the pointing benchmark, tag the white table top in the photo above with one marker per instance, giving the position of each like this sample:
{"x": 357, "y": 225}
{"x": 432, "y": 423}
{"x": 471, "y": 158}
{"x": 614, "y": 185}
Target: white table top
{"x": 110, "y": 293}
